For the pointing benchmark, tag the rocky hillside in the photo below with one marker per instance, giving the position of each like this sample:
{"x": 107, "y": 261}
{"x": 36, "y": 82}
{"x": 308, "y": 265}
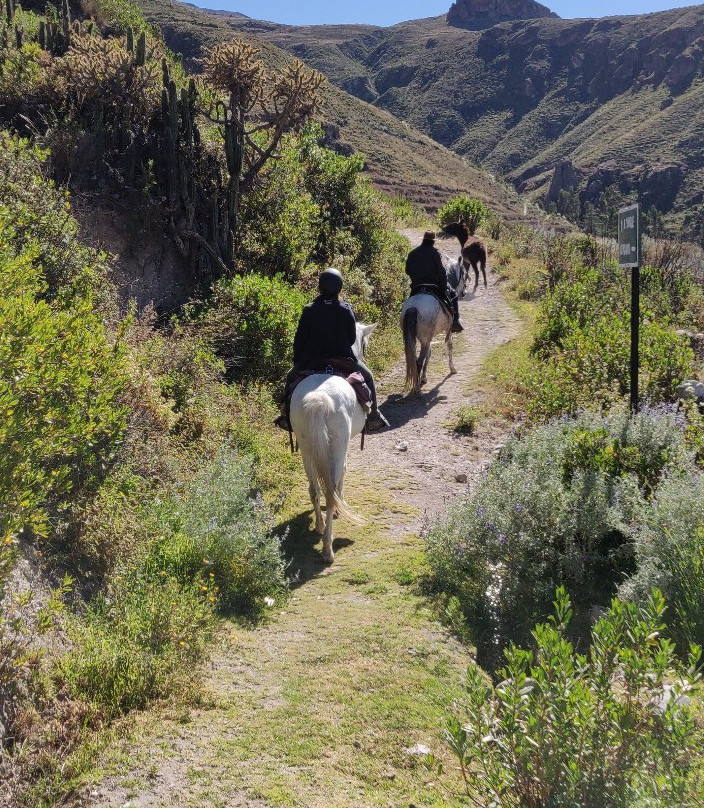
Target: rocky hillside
{"x": 400, "y": 158}
{"x": 591, "y": 106}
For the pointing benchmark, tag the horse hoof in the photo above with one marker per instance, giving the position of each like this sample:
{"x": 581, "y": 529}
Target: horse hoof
{"x": 328, "y": 557}
{"x": 320, "y": 529}
{"x": 453, "y": 371}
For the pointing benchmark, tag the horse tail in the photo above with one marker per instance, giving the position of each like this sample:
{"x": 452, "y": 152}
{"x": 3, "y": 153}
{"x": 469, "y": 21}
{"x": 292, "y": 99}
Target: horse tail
{"x": 410, "y": 330}
{"x": 319, "y": 408}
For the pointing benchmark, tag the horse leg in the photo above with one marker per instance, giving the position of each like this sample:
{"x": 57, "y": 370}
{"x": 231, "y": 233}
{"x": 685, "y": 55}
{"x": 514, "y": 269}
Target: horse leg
{"x": 483, "y": 266}
{"x": 314, "y": 491}
{"x": 476, "y": 277}
{"x": 328, "y": 553}
{"x": 448, "y": 342}
{"x": 339, "y": 491}
{"x": 423, "y": 361}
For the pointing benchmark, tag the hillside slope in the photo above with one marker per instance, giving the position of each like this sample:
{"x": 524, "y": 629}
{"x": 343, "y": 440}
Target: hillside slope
{"x": 620, "y": 98}
{"x": 400, "y": 159}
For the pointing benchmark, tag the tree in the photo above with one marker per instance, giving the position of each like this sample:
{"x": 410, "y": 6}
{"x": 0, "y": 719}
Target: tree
{"x": 261, "y": 106}
{"x": 471, "y": 210}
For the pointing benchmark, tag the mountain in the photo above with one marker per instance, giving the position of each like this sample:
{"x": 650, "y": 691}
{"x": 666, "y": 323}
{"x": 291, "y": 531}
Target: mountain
{"x": 399, "y": 158}
{"x": 479, "y": 14}
{"x": 589, "y": 106}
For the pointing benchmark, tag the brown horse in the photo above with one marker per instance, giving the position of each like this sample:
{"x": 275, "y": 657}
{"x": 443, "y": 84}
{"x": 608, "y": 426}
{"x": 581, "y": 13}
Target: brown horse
{"x": 473, "y": 249}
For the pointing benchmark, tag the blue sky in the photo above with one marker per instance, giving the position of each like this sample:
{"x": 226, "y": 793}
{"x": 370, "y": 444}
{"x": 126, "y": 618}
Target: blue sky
{"x": 388, "y": 12}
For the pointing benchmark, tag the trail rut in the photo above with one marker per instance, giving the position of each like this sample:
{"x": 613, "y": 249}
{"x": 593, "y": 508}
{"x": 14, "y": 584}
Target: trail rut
{"x": 322, "y": 707}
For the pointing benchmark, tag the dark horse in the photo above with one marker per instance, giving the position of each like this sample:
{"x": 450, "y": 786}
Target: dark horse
{"x": 473, "y": 249}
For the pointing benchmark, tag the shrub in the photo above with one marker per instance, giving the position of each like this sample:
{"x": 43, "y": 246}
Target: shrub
{"x": 61, "y": 419}
{"x": 583, "y": 338}
{"x": 219, "y": 532}
{"x": 473, "y": 211}
{"x": 559, "y": 506}
{"x": 669, "y": 550}
{"x": 250, "y": 321}
{"x": 611, "y": 727}
{"x": 465, "y": 421}
{"x": 137, "y": 645}
{"x": 37, "y": 211}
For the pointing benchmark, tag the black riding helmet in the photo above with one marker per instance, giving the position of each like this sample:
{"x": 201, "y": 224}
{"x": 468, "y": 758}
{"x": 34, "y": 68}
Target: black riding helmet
{"x": 330, "y": 282}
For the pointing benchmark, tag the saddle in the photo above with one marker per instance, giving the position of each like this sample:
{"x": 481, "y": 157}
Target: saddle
{"x": 431, "y": 289}
{"x": 345, "y": 369}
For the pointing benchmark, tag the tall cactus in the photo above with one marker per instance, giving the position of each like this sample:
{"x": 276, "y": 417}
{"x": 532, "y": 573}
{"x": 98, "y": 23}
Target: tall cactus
{"x": 129, "y": 43}
{"x": 140, "y": 55}
{"x": 9, "y": 11}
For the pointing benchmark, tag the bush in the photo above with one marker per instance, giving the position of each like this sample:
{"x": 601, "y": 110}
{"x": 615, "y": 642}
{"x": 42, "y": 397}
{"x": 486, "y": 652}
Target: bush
{"x": 669, "y": 550}
{"x": 583, "y": 340}
{"x": 607, "y": 728}
{"x": 465, "y": 421}
{"x": 473, "y": 211}
{"x": 558, "y": 507}
{"x": 36, "y": 211}
{"x": 61, "y": 419}
{"x": 250, "y": 321}
{"x": 219, "y": 532}
{"x": 137, "y": 645}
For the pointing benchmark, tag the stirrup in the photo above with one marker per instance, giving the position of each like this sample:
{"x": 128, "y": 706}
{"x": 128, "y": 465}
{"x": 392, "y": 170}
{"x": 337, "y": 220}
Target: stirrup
{"x": 376, "y": 421}
{"x": 457, "y": 327}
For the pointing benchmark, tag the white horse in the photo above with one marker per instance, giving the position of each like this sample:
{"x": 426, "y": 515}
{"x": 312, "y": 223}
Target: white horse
{"x": 422, "y": 317}
{"x": 325, "y": 416}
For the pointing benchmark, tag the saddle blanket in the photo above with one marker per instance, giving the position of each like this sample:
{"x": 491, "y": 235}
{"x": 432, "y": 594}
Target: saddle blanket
{"x": 356, "y": 380}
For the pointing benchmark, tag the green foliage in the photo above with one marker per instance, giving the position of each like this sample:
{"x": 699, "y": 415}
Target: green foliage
{"x": 119, "y": 15}
{"x": 135, "y": 646}
{"x": 559, "y": 506}
{"x": 219, "y": 534}
{"x": 21, "y": 72}
{"x": 60, "y": 381}
{"x": 251, "y": 321}
{"x": 612, "y": 727}
{"x": 465, "y": 420}
{"x": 313, "y": 208}
{"x": 472, "y": 211}
{"x": 37, "y": 211}
{"x": 583, "y": 340}
{"x": 669, "y": 548}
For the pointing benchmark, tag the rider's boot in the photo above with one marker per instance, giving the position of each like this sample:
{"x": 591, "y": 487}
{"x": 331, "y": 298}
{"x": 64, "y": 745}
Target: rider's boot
{"x": 375, "y": 420}
{"x": 457, "y": 326}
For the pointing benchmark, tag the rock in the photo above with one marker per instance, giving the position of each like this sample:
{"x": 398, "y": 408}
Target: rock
{"x": 419, "y": 750}
{"x": 476, "y": 15}
{"x": 691, "y": 390}
{"x": 461, "y": 478}
{"x": 564, "y": 178}
{"x": 401, "y": 447}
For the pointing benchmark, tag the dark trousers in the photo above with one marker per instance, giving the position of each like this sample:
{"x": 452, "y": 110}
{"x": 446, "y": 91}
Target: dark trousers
{"x": 358, "y": 366}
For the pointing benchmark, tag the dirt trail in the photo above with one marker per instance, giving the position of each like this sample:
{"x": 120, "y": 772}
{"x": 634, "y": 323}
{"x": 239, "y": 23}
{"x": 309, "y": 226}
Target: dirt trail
{"x": 322, "y": 707}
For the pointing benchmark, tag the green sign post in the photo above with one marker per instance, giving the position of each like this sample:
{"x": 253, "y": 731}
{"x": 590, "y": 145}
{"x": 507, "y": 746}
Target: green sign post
{"x": 629, "y": 249}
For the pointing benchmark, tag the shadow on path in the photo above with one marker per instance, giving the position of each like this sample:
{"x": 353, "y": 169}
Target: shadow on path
{"x": 304, "y": 559}
{"x": 401, "y": 409}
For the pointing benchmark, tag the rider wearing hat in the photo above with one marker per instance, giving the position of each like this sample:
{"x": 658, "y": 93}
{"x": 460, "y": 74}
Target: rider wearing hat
{"x": 425, "y": 268}
{"x": 326, "y": 331}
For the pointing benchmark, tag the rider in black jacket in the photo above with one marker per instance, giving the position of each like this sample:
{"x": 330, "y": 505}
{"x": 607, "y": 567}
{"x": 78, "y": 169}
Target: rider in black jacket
{"x": 425, "y": 268}
{"x": 326, "y": 331}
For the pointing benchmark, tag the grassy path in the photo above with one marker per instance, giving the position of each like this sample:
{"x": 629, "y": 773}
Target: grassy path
{"x": 322, "y": 707}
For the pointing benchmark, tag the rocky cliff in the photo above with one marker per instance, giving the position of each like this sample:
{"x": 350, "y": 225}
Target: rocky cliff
{"x": 476, "y": 15}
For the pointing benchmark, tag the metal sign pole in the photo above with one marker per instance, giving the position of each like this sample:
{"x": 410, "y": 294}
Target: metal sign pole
{"x": 635, "y": 336}
{"x": 629, "y": 252}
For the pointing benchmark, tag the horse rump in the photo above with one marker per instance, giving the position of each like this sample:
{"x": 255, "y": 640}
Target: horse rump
{"x": 410, "y": 330}
{"x": 318, "y": 408}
